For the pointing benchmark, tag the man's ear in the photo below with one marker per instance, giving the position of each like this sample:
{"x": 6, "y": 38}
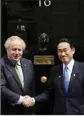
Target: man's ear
{"x": 73, "y": 49}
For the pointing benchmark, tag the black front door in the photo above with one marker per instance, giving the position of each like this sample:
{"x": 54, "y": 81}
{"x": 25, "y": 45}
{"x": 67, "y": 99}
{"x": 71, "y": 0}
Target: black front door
{"x": 33, "y": 20}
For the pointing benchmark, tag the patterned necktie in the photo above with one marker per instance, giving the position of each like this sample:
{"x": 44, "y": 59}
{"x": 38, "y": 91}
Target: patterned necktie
{"x": 66, "y": 79}
{"x": 20, "y": 74}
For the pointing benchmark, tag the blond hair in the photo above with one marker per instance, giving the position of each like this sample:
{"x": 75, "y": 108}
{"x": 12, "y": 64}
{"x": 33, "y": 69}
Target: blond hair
{"x": 13, "y": 39}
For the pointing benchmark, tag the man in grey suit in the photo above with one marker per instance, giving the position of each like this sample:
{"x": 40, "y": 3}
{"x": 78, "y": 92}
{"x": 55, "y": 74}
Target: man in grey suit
{"x": 66, "y": 83}
{"x": 17, "y": 79}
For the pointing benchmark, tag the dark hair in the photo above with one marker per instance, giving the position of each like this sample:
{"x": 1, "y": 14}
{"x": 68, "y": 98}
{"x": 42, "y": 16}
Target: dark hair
{"x": 66, "y": 40}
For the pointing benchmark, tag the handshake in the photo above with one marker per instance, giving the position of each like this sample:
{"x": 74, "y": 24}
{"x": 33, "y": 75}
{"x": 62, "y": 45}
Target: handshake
{"x": 28, "y": 101}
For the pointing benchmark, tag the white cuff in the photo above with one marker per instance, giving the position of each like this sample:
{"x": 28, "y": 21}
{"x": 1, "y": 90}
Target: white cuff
{"x": 20, "y": 100}
{"x": 33, "y": 101}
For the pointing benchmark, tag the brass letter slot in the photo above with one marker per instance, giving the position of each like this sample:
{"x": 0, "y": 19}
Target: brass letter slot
{"x": 44, "y": 60}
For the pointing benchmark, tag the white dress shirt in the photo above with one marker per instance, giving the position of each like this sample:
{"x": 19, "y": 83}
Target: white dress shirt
{"x": 22, "y": 82}
{"x": 70, "y": 67}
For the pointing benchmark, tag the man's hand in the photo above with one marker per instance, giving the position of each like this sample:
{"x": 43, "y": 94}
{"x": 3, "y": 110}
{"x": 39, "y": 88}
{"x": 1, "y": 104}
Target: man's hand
{"x": 28, "y": 101}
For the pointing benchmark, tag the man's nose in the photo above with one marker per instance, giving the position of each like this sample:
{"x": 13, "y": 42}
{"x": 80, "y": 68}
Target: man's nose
{"x": 63, "y": 53}
{"x": 17, "y": 51}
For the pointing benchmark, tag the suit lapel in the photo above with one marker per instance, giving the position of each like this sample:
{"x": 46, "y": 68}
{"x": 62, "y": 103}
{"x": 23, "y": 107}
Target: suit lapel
{"x": 75, "y": 73}
{"x": 60, "y": 79}
{"x": 11, "y": 68}
{"x": 25, "y": 68}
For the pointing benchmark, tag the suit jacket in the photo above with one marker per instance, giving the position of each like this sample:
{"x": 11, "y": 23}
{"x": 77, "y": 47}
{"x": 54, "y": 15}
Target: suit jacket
{"x": 11, "y": 88}
{"x": 71, "y": 103}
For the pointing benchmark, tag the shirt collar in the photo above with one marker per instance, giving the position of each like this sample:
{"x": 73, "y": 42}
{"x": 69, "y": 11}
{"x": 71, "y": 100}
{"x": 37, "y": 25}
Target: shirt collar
{"x": 70, "y": 65}
{"x": 18, "y": 63}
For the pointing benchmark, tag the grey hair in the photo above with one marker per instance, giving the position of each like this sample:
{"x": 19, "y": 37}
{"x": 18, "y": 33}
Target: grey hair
{"x": 14, "y": 38}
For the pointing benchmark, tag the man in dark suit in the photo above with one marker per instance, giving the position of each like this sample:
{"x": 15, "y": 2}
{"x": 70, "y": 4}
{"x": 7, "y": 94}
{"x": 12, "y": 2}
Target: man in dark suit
{"x": 16, "y": 86}
{"x": 66, "y": 83}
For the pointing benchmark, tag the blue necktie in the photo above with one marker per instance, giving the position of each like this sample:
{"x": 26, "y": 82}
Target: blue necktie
{"x": 66, "y": 79}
